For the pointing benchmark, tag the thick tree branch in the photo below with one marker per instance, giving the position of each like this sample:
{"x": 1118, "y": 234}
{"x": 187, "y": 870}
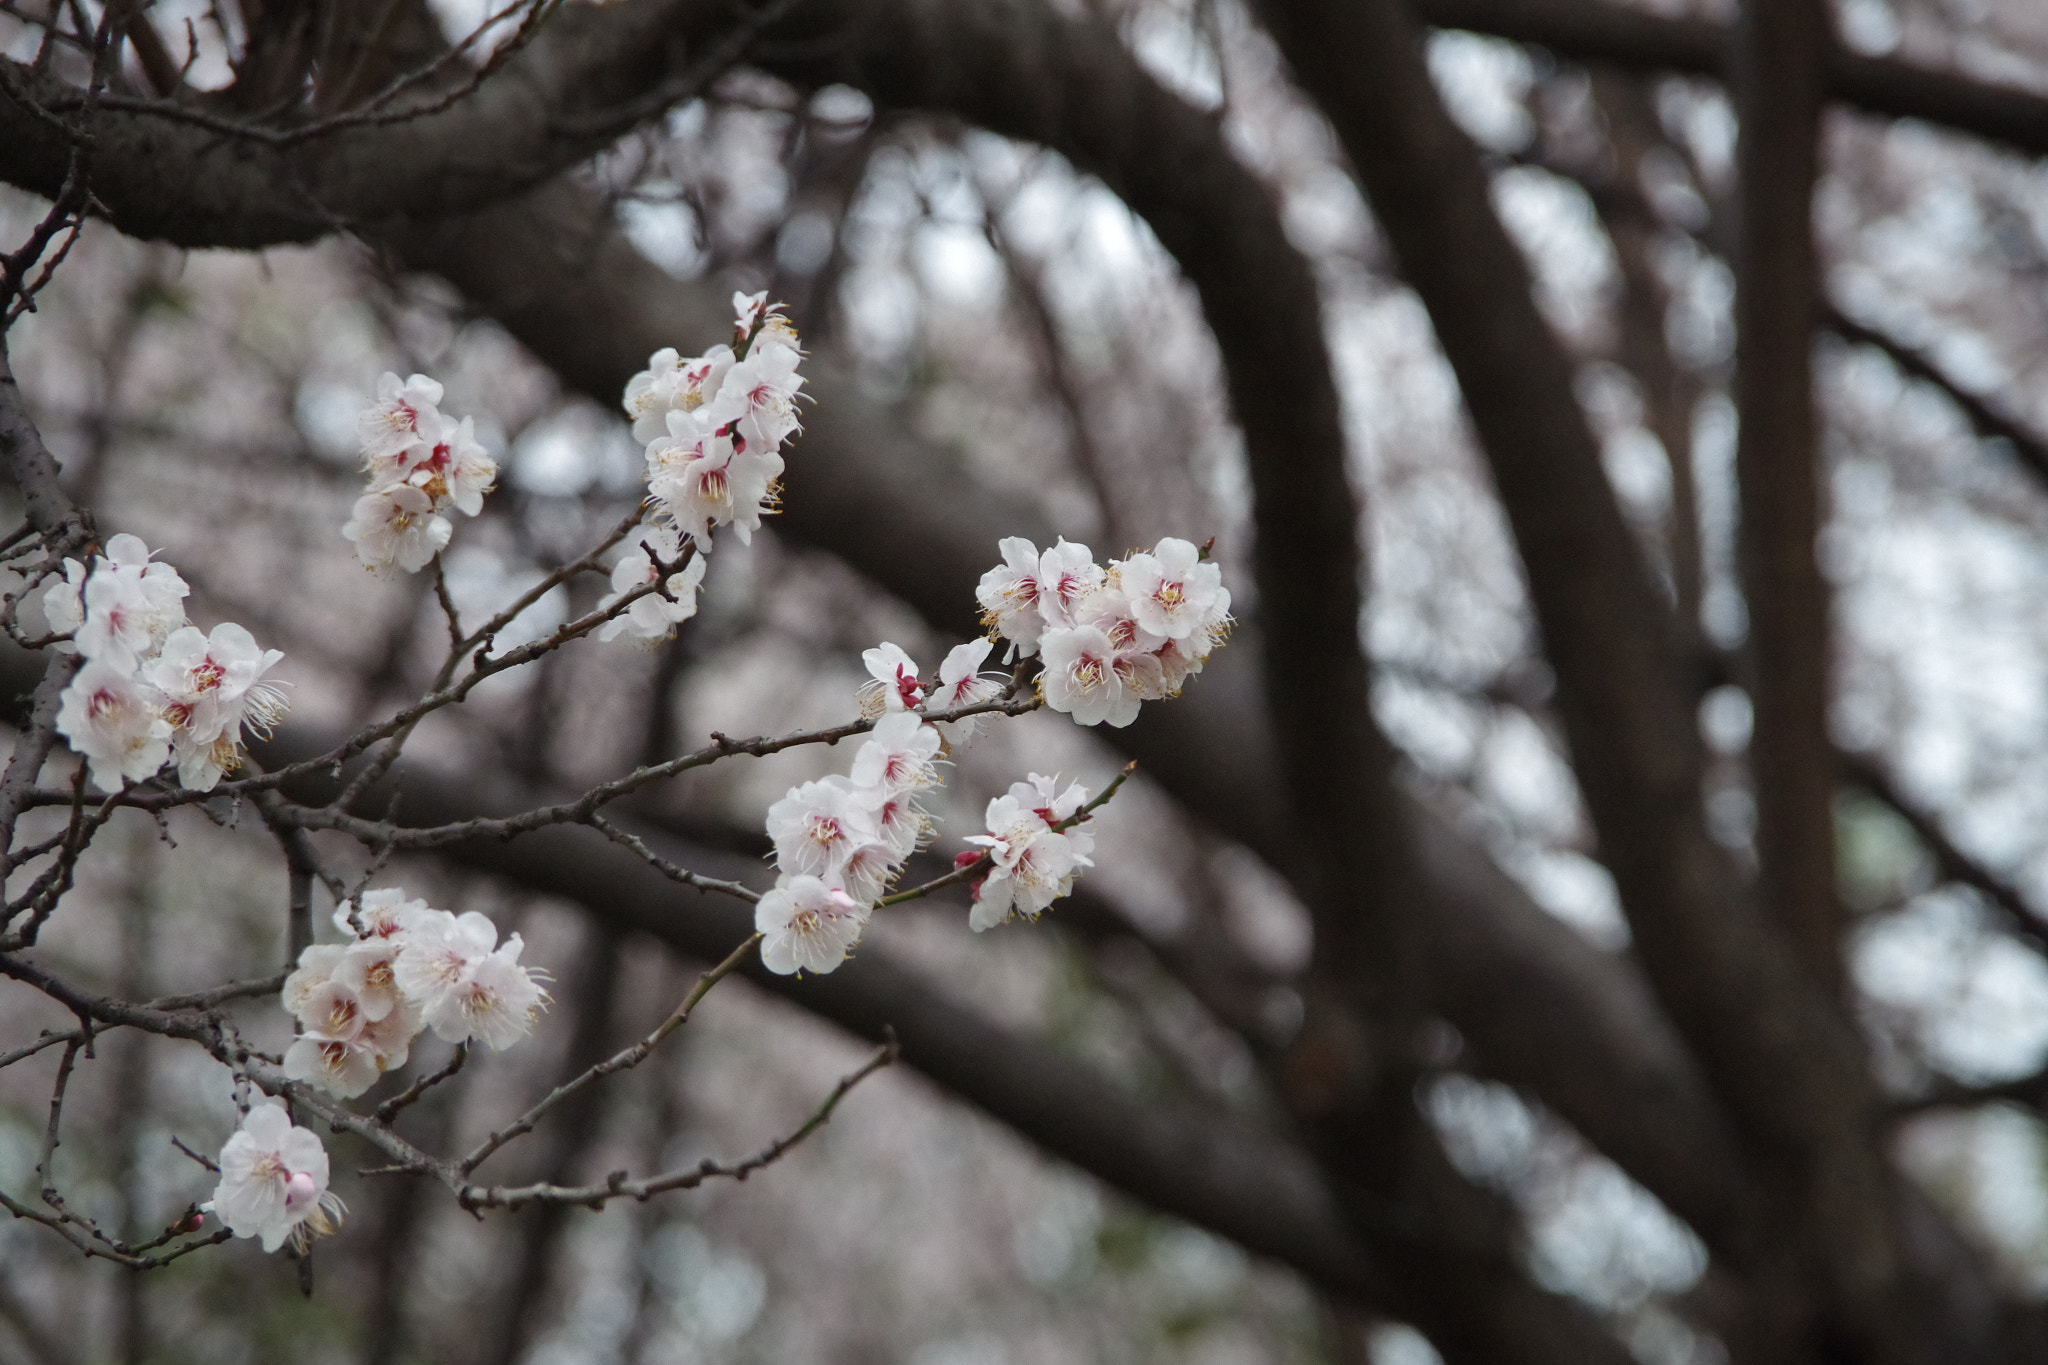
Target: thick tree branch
{"x": 1779, "y": 1056}
{"x": 1779, "y": 50}
{"x": 175, "y": 174}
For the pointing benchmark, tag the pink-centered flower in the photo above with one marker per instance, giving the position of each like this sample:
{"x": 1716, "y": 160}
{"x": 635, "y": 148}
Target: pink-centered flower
{"x": 671, "y": 383}
{"x": 962, "y": 684}
{"x": 273, "y": 1181}
{"x": 130, "y": 605}
{"x": 397, "y": 527}
{"x": 452, "y": 467}
{"x": 895, "y": 686}
{"x": 1087, "y": 677}
{"x": 807, "y": 926}
{"x": 465, "y": 984}
{"x": 1173, "y": 592}
{"x": 116, "y": 721}
{"x": 406, "y": 414}
{"x": 900, "y": 754}
{"x": 704, "y": 478}
{"x": 817, "y": 825}
{"x": 1008, "y": 595}
{"x": 1032, "y": 864}
{"x": 215, "y": 682}
{"x": 1067, "y": 577}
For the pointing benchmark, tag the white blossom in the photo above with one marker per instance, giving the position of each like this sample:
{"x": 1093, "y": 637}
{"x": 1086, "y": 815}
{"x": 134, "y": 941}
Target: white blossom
{"x": 114, "y": 719}
{"x": 1173, "y": 592}
{"x": 767, "y": 383}
{"x": 130, "y": 604}
{"x": 818, "y": 824}
{"x": 899, "y": 754}
{"x": 895, "y": 686}
{"x": 382, "y": 913}
{"x": 1067, "y": 576}
{"x": 962, "y": 684}
{"x": 1090, "y": 679}
{"x": 315, "y": 969}
{"x": 653, "y": 617}
{"x": 212, "y": 686}
{"x": 453, "y": 469}
{"x": 673, "y": 384}
{"x": 404, "y": 416}
{"x": 64, "y": 601}
{"x": 464, "y": 986}
{"x": 807, "y": 925}
{"x": 705, "y": 476}
{"x": 865, "y": 871}
{"x": 273, "y": 1181}
{"x": 1032, "y": 864}
{"x": 369, "y": 967}
{"x": 900, "y": 822}
{"x": 343, "y": 1049}
{"x": 397, "y": 527}
{"x": 1008, "y": 595}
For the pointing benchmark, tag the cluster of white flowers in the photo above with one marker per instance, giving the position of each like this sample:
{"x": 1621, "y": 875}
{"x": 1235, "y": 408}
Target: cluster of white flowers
{"x": 420, "y": 463}
{"x": 153, "y": 686}
{"x": 405, "y": 968}
{"x": 1109, "y": 638}
{"x": 840, "y": 841}
{"x": 273, "y": 1181}
{"x": 1032, "y": 864}
{"x": 714, "y": 424}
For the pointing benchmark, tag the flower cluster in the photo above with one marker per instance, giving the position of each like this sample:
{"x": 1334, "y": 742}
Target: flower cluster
{"x": 420, "y": 463}
{"x": 405, "y": 968}
{"x": 840, "y": 841}
{"x": 273, "y": 1181}
{"x": 1109, "y": 638}
{"x": 894, "y": 684}
{"x": 1032, "y": 864}
{"x": 154, "y": 687}
{"x": 714, "y": 424}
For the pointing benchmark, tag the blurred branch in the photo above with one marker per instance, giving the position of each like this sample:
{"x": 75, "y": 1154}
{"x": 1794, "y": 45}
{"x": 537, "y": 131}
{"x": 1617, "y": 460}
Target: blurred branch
{"x": 1983, "y": 415}
{"x": 1596, "y": 30}
{"x": 1867, "y": 772}
{"x": 1780, "y": 47}
{"x": 175, "y": 172}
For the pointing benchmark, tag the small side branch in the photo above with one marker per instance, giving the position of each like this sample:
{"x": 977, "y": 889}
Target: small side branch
{"x": 619, "y": 1186}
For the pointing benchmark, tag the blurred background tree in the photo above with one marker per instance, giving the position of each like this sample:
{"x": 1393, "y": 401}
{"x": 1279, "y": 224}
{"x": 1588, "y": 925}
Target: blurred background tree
{"x": 1590, "y": 913}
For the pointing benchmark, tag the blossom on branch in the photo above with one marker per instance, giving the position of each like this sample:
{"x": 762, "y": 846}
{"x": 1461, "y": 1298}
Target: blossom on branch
{"x": 213, "y": 688}
{"x": 406, "y": 967}
{"x": 273, "y": 1181}
{"x": 653, "y": 616}
{"x": 894, "y": 685}
{"x": 1033, "y": 864}
{"x": 807, "y": 925}
{"x": 465, "y": 983}
{"x": 397, "y": 527}
{"x": 713, "y": 425}
{"x": 1111, "y": 639}
{"x": 406, "y": 412}
{"x": 420, "y": 463}
{"x": 111, "y": 717}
